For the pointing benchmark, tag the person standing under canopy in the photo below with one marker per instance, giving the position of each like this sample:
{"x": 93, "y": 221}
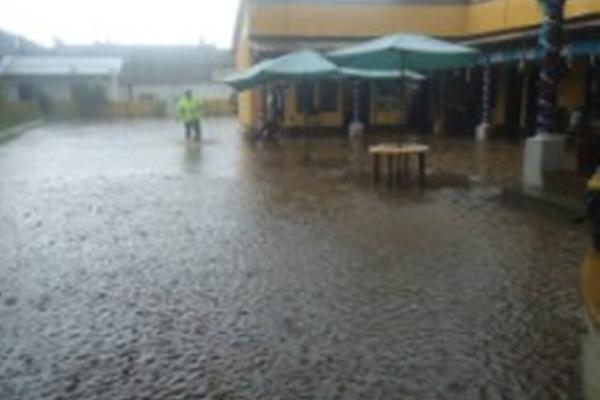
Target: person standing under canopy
{"x": 189, "y": 110}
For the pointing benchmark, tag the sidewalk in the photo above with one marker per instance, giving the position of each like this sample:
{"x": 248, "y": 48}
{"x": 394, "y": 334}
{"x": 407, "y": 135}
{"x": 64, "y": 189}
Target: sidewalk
{"x": 499, "y": 163}
{"x": 9, "y": 133}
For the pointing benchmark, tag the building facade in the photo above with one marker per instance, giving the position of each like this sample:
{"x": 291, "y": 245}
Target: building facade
{"x": 505, "y": 30}
{"x": 161, "y": 74}
{"x": 29, "y": 78}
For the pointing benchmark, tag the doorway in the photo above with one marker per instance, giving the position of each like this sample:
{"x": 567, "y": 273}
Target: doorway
{"x": 514, "y": 101}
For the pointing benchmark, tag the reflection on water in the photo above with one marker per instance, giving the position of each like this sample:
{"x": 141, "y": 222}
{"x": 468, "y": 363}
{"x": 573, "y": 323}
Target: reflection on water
{"x": 192, "y": 156}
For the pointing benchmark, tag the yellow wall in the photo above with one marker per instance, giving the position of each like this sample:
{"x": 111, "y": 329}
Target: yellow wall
{"x": 301, "y": 20}
{"x": 249, "y": 103}
{"x": 351, "y": 21}
{"x": 293, "y": 118}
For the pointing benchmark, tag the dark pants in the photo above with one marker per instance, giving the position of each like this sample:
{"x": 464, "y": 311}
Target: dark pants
{"x": 195, "y": 126}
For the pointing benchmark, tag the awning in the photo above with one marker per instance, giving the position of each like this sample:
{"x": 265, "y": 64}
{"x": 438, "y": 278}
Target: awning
{"x": 528, "y": 54}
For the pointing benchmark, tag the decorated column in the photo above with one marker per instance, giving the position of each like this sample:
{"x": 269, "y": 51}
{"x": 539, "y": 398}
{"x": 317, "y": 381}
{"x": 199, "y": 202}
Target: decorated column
{"x": 484, "y": 129}
{"x": 550, "y": 43}
{"x": 544, "y": 152}
{"x": 357, "y": 127}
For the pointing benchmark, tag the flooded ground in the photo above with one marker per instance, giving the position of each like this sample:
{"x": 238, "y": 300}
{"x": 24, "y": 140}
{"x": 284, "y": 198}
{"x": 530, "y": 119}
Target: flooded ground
{"x": 134, "y": 266}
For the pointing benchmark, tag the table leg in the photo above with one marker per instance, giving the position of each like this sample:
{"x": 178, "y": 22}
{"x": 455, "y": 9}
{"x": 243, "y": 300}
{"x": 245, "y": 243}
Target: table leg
{"x": 376, "y": 168}
{"x": 399, "y": 169}
{"x": 422, "y": 176}
{"x": 407, "y": 166}
{"x": 390, "y": 169}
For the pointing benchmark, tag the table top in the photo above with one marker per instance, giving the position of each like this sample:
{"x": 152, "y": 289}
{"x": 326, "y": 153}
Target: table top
{"x": 395, "y": 148}
{"x": 414, "y": 148}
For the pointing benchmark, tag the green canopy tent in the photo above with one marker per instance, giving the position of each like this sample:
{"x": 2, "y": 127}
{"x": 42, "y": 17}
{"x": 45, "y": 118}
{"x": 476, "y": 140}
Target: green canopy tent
{"x": 406, "y": 51}
{"x": 376, "y": 75}
{"x": 303, "y": 65}
{"x": 307, "y": 66}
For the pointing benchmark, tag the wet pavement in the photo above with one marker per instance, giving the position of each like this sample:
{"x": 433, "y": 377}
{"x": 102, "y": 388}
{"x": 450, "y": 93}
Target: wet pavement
{"x": 134, "y": 266}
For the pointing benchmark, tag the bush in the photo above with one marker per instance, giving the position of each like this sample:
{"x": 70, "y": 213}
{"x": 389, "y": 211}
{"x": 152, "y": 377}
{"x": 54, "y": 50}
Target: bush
{"x": 89, "y": 98}
{"x": 16, "y": 113}
{"x": 2, "y": 95}
{"x": 134, "y": 109}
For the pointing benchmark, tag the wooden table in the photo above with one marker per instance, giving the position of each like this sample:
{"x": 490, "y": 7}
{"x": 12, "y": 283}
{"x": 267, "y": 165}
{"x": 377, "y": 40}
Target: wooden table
{"x": 396, "y": 157}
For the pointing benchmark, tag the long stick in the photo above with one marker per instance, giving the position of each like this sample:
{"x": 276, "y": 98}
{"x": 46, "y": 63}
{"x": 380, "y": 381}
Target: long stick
{"x": 403, "y": 102}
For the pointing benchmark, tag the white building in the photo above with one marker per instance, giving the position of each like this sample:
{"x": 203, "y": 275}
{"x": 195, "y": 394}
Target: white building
{"x": 25, "y": 78}
{"x": 163, "y": 73}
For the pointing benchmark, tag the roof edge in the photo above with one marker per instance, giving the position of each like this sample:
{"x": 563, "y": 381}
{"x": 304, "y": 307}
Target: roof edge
{"x": 238, "y": 24}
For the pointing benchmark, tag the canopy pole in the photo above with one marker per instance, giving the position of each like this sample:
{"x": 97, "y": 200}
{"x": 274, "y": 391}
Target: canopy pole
{"x": 402, "y": 112}
{"x": 307, "y": 119}
{"x": 356, "y": 98}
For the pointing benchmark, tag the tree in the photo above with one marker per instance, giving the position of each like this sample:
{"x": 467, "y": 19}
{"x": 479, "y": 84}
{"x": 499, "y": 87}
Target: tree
{"x": 550, "y": 42}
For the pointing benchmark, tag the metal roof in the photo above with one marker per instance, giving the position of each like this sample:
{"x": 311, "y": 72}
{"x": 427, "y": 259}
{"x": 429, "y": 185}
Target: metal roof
{"x": 59, "y": 66}
{"x": 158, "y": 64}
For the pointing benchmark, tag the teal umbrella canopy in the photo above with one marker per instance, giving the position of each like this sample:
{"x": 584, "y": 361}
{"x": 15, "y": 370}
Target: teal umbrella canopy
{"x": 308, "y": 66}
{"x": 418, "y": 52}
{"x": 381, "y": 74}
{"x": 303, "y": 65}
{"x": 250, "y": 77}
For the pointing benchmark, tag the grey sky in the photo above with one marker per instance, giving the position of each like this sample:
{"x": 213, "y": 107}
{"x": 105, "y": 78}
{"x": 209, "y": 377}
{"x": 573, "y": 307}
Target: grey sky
{"x": 121, "y": 21}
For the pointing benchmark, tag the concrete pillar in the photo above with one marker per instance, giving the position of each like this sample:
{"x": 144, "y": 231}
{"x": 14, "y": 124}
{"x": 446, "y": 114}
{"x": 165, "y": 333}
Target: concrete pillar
{"x": 544, "y": 152}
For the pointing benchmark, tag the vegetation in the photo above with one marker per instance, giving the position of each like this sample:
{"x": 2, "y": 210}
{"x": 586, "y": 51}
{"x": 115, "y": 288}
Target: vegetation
{"x": 12, "y": 114}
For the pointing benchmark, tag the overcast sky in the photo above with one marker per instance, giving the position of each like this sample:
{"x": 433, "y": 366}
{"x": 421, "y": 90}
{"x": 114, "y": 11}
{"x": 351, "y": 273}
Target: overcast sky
{"x": 121, "y": 21}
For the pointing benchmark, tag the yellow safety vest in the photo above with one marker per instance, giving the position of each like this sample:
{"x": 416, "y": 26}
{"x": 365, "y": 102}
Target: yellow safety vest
{"x": 189, "y": 109}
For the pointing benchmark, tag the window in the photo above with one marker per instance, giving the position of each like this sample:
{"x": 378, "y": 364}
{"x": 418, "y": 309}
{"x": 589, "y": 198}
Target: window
{"x": 328, "y": 96}
{"x": 388, "y": 96}
{"x": 26, "y": 92}
{"x": 305, "y": 98}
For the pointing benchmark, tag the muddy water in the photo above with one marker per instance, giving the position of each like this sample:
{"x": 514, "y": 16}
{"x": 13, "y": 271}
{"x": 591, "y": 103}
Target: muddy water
{"x": 134, "y": 266}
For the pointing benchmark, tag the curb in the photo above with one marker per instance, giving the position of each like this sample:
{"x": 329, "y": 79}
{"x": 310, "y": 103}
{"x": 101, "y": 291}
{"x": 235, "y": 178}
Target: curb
{"x": 17, "y": 130}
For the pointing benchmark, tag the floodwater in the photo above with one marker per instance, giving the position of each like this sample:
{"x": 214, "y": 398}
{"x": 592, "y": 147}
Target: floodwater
{"x": 136, "y": 266}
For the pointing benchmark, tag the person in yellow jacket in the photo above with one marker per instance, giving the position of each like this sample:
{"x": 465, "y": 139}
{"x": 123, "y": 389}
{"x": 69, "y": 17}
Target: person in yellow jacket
{"x": 189, "y": 111}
